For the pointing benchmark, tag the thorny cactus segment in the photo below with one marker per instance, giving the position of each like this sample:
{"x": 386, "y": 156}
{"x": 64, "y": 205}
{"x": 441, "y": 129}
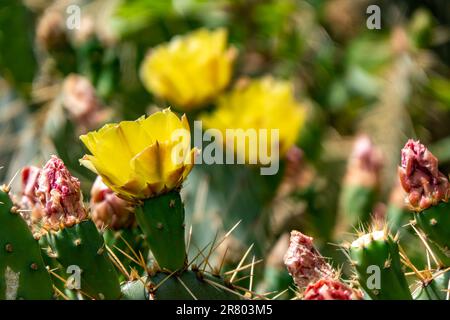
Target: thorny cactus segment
{"x": 22, "y": 271}
{"x": 420, "y": 177}
{"x": 304, "y": 262}
{"x": 329, "y": 289}
{"x": 108, "y": 210}
{"x": 365, "y": 163}
{"x": 60, "y": 195}
{"x": 378, "y": 251}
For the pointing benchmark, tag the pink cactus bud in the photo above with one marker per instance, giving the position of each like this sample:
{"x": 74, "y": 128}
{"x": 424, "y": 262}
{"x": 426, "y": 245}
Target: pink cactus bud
{"x": 329, "y": 289}
{"x": 108, "y": 210}
{"x": 420, "y": 177}
{"x": 365, "y": 163}
{"x": 29, "y": 201}
{"x": 304, "y": 262}
{"x": 60, "y": 196}
{"x": 30, "y": 177}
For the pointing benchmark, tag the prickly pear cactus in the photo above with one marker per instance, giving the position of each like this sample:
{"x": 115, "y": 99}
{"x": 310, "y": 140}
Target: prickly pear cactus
{"x": 23, "y": 274}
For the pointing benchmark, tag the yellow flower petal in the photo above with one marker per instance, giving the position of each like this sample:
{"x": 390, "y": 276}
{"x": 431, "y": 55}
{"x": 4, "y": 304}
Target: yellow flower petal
{"x": 263, "y": 103}
{"x": 138, "y": 159}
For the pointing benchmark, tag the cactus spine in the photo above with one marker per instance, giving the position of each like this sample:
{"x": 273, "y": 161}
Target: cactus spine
{"x": 81, "y": 245}
{"x": 435, "y": 223}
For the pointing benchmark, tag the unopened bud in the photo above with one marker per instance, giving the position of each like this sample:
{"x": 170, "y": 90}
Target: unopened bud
{"x": 60, "y": 195}
{"x": 108, "y": 210}
{"x": 420, "y": 177}
{"x": 29, "y": 201}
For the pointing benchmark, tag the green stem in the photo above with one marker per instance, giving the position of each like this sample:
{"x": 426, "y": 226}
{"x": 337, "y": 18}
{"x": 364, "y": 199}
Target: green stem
{"x": 162, "y": 221}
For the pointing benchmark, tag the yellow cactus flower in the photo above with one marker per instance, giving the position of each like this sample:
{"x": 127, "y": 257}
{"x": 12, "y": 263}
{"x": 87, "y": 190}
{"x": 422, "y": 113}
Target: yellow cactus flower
{"x": 143, "y": 158}
{"x": 258, "y": 104}
{"x": 190, "y": 70}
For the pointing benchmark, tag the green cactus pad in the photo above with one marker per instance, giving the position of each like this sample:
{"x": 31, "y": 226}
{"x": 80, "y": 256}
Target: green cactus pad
{"x": 162, "y": 221}
{"x": 436, "y": 289}
{"x": 22, "y": 271}
{"x": 81, "y": 245}
{"x": 277, "y": 280}
{"x": 377, "y": 261}
{"x": 189, "y": 285}
{"x": 435, "y": 223}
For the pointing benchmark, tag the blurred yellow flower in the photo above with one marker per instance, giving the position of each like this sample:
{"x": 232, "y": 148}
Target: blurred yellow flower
{"x": 190, "y": 70}
{"x": 259, "y": 104}
{"x": 143, "y": 158}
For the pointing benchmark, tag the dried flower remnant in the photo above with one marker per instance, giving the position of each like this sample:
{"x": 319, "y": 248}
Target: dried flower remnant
{"x": 420, "y": 177}
{"x": 60, "y": 196}
{"x": 329, "y": 289}
{"x": 108, "y": 210}
{"x": 304, "y": 262}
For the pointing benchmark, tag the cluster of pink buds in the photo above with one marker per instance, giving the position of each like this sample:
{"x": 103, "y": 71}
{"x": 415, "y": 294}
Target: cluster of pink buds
{"x": 365, "y": 163}
{"x": 56, "y": 192}
{"x": 420, "y": 177}
{"x": 108, "y": 210}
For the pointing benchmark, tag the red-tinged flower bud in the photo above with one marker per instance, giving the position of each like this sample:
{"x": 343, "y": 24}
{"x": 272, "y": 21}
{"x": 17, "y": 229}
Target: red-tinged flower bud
{"x": 304, "y": 262}
{"x": 60, "y": 196}
{"x": 365, "y": 164}
{"x": 329, "y": 289}
{"x": 108, "y": 210}
{"x": 29, "y": 200}
{"x": 420, "y": 177}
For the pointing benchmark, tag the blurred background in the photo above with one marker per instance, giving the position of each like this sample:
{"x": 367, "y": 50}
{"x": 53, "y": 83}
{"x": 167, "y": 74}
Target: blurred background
{"x": 365, "y": 91}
